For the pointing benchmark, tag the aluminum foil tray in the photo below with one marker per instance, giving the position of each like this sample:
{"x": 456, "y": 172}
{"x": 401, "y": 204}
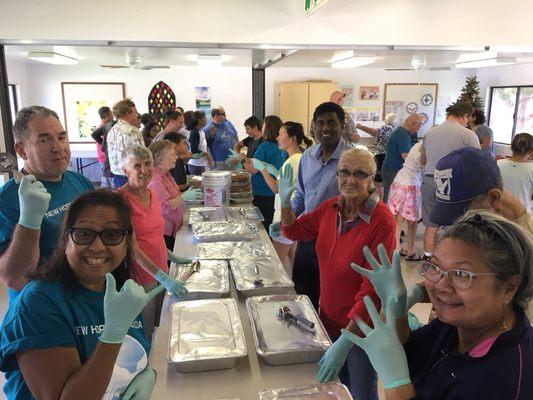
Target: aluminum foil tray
{"x": 327, "y": 391}
{"x": 222, "y": 231}
{"x": 209, "y": 282}
{"x": 256, "y": 276}
{"x": 203, "y": 214}
{"x": 205, "y": 335}
{"x": 244, "y": 213}
{"x": 279, "y": 342}
{"x": 229, "y": 250}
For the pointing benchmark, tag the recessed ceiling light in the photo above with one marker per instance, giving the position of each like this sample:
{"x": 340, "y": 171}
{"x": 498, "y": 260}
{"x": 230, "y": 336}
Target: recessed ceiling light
{"x": 51, "y": 57}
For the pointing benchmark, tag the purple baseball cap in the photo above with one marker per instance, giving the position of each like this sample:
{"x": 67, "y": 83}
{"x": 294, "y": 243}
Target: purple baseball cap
{"x": 461, "y": 176}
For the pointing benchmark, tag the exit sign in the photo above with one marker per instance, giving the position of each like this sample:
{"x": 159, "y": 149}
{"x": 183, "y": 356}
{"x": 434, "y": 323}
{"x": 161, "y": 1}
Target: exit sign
{"x": 312, "y": 5}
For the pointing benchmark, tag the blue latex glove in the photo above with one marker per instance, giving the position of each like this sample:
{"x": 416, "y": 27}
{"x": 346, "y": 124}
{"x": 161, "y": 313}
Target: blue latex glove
{"x": 285, "y": 186}
{"x": 261, "y": 165}
{"x": 34, "y": 201}
{"x": 121, "y": 308}
{"x": 387, "y": 279}
{"x": 332, "y": 361}
{"x": 174, "y": 287}
{"x": 141, "y": 387}
{"x": 177, "y": 259}
{"x": 382, "y": 346}
{"x": 274, "y": 230}
{"x": 192, "y": 194}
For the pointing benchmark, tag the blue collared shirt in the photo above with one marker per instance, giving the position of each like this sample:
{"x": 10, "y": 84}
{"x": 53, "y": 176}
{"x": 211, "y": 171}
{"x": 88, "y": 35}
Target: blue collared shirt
{"x": 317, "y": 180}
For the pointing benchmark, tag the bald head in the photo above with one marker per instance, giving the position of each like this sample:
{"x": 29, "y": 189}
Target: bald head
{"x": 337, "y": 97}
{"x": 413, "y": 123}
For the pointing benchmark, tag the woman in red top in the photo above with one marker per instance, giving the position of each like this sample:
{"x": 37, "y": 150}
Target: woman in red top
{"x": 342, "y": 227}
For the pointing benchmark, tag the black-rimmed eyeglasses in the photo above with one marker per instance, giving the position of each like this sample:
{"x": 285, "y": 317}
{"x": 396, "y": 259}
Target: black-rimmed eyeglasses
{"x": 109, "y": 237}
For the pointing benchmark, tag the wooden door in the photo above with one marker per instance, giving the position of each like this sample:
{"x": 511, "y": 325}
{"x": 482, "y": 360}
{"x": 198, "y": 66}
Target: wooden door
{"x": 293, "y": 102}
{"x": 319, "y": 92}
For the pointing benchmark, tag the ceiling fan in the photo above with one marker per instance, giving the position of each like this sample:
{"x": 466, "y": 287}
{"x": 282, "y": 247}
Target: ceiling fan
{"x": 419, "y": 64}
{"x": 135, "y": 62}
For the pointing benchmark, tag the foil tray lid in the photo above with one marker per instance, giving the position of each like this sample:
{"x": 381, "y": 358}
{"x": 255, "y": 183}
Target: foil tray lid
{"x": 326, "y": 391}
{"x": 205, "y": 329}
{"x": 222, "y": 231}
{"x": 229, "y": 250}
{"x": 258, "y": 272}
{"x": 204, "y": 214}
{"x": 212, "y": 277}
{"x": 274, "y": 336}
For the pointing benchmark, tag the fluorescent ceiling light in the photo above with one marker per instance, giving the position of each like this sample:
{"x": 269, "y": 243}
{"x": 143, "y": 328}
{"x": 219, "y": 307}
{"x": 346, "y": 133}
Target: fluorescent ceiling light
{"x": 209, "y": 60}
{"x": 489, "y": 62}
{"x": 51, "y": 57}
{"x": 353, "y": 62}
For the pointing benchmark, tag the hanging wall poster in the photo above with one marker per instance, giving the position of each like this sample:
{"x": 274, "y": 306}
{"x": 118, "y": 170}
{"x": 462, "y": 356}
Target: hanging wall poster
{"x": 81, "y": 101}
{"x": 369, "y": 93}
{"x": 348, "y": 91}
{"x": 202, "y": 94}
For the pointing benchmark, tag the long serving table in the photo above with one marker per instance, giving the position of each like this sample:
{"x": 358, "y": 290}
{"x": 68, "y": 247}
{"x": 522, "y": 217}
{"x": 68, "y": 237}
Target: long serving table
{"x": 243, "y": 382}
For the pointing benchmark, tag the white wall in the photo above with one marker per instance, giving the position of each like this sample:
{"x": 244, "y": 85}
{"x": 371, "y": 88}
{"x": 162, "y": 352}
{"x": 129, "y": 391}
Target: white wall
{"x": 386, "y": 22}
{"x": 230, "y": 86}
{"x": 450, "y": 82}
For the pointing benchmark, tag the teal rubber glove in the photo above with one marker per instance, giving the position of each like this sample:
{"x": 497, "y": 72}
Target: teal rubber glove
{"x": 141, "y": 387}
{"x": 192, "y": 194}
{"x": 285, "y": 186}
{"x": 387, "y": 279}
{"x": 34, "y": 201}
{"x": 274, "y": 230}
{"x": 230, "y": 160}
{"x": 332, "y": 361}
{"x": 177, "y": 259}
{"x": 415, "y": 294}
{"x": 260, "y": 165}
{"x": 121, "y": 308}
{"x": 382, "y": 346}
{"x": 174, "y": 287}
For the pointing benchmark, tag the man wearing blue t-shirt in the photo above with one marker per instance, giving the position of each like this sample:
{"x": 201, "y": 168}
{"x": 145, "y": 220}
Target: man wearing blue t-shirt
{"x": 31, "y": 212}
{"x": 221, "y": 136}
{"x": 398, "y": 146}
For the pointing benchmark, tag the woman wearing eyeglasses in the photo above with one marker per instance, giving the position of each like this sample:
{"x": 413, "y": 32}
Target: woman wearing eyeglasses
{"x": 480, "y": 346}
{"x": 75, "y": 330}
{"x": 342, "y": 226}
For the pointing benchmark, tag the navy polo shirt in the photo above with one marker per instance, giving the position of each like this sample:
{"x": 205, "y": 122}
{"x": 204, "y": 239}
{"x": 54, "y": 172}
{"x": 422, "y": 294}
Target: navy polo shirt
{"x": 439, "y": 371}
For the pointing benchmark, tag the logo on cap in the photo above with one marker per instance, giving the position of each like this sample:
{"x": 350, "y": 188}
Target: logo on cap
{"x": 443, "y": 182}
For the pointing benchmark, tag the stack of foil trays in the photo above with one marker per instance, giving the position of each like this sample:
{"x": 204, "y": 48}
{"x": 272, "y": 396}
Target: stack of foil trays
{"x": 209, "y": 282}
{"x": 224, "y": 231}
{"x": 327, "y": 391}
{"x": 205, "y": 335}
{"x": 282, "y": 342}
{"x": 256, "y": 276}
{"x": 230, "y": 250}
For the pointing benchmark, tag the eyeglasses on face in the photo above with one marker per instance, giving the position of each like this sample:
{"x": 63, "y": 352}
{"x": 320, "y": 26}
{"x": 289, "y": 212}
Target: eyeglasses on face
{"x": 221, "y": 114}
{"x": 458, "y": 278}
{"x": 109, "y": 237}
{"x": 357, "y": 174}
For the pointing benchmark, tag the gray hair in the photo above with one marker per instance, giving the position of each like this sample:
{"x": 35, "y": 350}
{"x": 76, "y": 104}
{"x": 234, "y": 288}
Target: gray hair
{"x": 24, "y": 116}
{"x": 140, "y": 153}
{"x": 390, "y": 119}
{"x": 158, "y": 149}
{"x": 366, "y": 158}
{"x": 505, "y": 247}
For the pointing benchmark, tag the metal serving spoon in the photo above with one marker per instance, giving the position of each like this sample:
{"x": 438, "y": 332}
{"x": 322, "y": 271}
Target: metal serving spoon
{"x": 284, "y": 314}
{"x": 195, "y": 266}
{"x": 8, "y": 163}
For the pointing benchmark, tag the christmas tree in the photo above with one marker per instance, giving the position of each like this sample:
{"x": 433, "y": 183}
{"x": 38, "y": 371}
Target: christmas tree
{"x": 470, "y": 93}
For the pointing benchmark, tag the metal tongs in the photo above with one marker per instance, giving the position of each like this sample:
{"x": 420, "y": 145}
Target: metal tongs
{"x": 284, "y": 314}
{"x": 204, "y": 216}
{"x": 242, "y": 211}
{"x": 258, "y": 282}
{"x": 8, "y": 163}
{"x": 195, "y": 266}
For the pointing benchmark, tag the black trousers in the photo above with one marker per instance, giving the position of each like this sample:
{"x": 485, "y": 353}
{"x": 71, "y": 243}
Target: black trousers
{"x": 169, "y": 242}
{"x": 266, "y": 206}
{"x": 305, "y": 273}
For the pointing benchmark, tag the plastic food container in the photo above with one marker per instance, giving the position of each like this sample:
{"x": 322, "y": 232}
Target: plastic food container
{"x": 280, "y": 342}
{"x": 205, "y": 335}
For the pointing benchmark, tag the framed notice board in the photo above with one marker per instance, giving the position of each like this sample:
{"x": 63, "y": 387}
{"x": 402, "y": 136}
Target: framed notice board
{"x": 404, "y": 99}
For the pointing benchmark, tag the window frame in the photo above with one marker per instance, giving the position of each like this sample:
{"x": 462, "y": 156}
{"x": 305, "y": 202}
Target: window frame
{"x": 515, "y": 112}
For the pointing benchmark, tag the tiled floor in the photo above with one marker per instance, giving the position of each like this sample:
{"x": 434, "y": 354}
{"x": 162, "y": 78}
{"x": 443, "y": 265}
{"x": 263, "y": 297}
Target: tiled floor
{"x": 410, "y": 272}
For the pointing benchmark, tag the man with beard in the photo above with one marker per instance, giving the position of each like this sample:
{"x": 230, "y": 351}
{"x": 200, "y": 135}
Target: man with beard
{"x": 317, "y": 182}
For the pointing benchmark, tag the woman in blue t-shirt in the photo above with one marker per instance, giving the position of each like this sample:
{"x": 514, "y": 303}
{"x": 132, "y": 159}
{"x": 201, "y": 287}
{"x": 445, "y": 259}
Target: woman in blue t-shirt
{"x": 267, "y": 153}
{"x": 70, "y": 333}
